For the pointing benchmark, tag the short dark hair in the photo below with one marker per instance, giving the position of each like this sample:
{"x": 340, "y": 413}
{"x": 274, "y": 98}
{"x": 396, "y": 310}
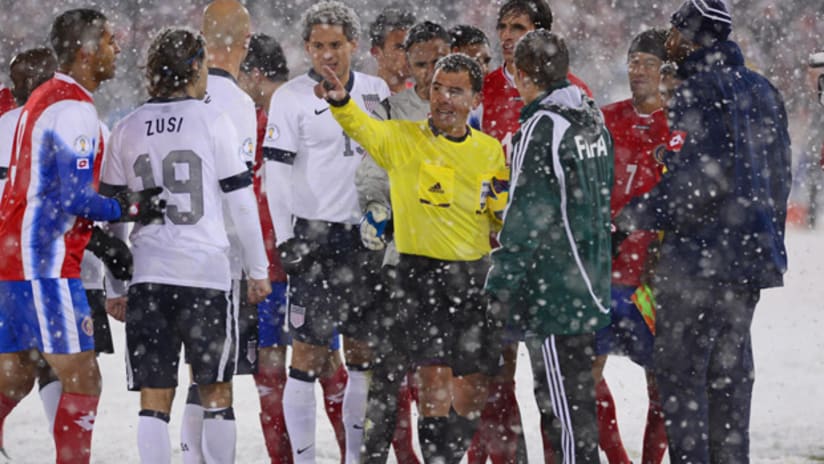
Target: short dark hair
{"x": 171, "y": 58}
{"x": 390, "y": 19}
{"x": 543, "y": 56}
{"x": 424, "y": 32}
{"x": 539, "y": 12}
{"x": 34, "y": 66}
{"x": 458, "y": 62}
{"x": 464, "y": 35}
{"x": 74, "y": 30}
{"x": 266, "y": 55}
{"x": 331, "y": 13}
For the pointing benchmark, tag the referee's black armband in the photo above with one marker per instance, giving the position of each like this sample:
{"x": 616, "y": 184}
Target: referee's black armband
{"x": 339, "y": 103}
{"x": 279, "y": 156}
{"x": 236, "y": 182}
{"x": 109, "y": 190}
{"x": 4, "y": 172}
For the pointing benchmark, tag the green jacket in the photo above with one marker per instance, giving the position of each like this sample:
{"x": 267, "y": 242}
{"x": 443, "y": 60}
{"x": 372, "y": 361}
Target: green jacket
{"x": 553, "y": 267}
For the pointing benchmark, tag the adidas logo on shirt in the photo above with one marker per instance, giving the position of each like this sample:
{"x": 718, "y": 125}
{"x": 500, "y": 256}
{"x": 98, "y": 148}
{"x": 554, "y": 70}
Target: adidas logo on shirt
{"x": 436, "y": 188}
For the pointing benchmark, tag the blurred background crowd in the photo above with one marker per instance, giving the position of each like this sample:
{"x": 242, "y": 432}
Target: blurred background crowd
{"x": 776, "y": 37}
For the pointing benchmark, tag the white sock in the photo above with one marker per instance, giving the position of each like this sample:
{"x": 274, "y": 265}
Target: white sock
{"x": 191, "y": 429}
{"x": 153, "y": 442}
{"x": 50, "y": 396}
{"x": 299, "y": 411}
{"x": 354, "y": 413}
{"x": 219, "y": 436}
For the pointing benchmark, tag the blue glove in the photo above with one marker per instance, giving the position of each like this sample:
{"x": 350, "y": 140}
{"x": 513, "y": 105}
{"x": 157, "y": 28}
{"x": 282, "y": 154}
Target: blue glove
{"x": 373, "y": 226}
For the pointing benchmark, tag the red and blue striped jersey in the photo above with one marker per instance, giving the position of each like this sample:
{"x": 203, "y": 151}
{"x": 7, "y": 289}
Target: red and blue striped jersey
{"x": 50, "y": 198}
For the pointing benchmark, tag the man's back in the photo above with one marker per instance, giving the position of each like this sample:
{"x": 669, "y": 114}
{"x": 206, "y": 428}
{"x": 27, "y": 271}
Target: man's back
{"x": 558, "y": 215}
{"x": 188, "y": 148}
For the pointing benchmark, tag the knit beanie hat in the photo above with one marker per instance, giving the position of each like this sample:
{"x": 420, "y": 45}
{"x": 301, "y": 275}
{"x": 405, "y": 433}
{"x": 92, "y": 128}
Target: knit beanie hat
{"x": 703, "y": 21}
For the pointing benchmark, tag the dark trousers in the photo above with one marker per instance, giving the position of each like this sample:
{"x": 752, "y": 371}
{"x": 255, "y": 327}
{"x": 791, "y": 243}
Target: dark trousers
{"x": 568, "y": 360}
{"x": 390, "y": 366}
{"x": 704, "y": 368}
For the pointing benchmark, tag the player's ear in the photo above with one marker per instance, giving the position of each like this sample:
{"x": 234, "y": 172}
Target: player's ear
{"x": 376, "y": 51}
{"x": 476, "y": 99}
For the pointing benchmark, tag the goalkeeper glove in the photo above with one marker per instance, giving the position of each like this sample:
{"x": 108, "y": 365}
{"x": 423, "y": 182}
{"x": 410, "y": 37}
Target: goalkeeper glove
{"x": 144, "y": 206}
{"x": 373, "y": 226}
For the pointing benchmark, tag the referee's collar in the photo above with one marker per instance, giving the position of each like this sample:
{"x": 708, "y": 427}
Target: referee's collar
{"x": 317, "y": 78}
{"x": 222, "y": 73}
{"x": 437, "y": 132}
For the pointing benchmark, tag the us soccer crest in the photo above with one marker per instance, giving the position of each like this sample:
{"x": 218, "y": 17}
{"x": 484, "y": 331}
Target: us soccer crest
{"x": 297, "y": 315}
{"x": 371, "y": 101}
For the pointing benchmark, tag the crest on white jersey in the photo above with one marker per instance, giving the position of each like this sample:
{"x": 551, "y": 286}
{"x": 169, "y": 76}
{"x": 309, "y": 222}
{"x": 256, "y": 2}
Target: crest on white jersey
{"x": 82, "y": 145}
{"x": 272, "y": 132}
{"x": 246, "y": 148}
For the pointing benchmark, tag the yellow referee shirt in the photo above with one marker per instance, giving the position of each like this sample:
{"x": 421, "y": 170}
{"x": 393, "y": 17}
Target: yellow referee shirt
{"x": 446, "y": 194}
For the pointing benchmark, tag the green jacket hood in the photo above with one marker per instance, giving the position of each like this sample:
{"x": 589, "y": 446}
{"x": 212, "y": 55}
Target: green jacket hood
{"x": 570, "y": 102}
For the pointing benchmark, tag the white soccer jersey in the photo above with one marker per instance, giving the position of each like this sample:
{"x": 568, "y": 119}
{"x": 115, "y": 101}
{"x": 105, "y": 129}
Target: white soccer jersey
{"x": 223, "y": 93}
{"x": 8, "y": 123}
{"x": 190, "y": 149}
{"x": 311, "y": 163}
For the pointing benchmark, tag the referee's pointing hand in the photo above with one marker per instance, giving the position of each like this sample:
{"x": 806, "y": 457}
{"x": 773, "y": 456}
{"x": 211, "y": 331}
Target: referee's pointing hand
{"x": 330, "y": 88}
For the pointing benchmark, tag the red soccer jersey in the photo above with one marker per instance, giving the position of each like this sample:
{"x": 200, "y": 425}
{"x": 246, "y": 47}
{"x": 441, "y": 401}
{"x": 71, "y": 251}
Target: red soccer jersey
{"x": 636, "y": 138}
{"x": 53, "y": 174}
{"x": 502, "y": 106}
{"x": 276, "y": 273}
{"x": 7, "y": 102}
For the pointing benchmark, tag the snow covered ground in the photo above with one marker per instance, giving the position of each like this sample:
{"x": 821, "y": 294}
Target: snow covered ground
{"x": 788, "y": 408}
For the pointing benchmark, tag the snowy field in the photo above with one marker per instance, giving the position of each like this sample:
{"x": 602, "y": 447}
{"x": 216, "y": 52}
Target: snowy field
{"x": 788, "y": 408}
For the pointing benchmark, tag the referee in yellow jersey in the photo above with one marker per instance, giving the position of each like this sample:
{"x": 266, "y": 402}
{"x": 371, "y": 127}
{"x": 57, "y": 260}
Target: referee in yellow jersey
{"x": 448, "y": 191}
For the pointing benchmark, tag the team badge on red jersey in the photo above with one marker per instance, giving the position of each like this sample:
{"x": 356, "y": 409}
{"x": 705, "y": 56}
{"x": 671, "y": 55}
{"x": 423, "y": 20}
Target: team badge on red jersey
{"x": 676, "y": 141}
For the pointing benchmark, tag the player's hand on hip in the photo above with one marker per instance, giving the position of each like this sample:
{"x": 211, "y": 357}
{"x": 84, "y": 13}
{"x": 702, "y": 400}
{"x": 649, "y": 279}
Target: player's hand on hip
{"x": 145, "y": 206}
{"x": 257, "y": 290}
{"x": 330, "y": 88}
{"x": 373, "y": 226}
{"x": 116, "y": 307}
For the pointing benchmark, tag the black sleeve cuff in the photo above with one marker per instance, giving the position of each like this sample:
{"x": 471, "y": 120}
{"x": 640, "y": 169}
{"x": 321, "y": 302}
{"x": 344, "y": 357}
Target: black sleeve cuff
{"x": 109, "y": 190}
{"x": 236, "y": 182}
{"x": 339, "y": 103}
{"x": 280, "y": 156}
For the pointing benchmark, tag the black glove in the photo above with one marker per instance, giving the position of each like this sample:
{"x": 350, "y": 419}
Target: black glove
{"x": 618, "y": 237}
{"x": 113, "y": 252}
{"x": 295, "y": 256}
{"x": 144, "y": 206}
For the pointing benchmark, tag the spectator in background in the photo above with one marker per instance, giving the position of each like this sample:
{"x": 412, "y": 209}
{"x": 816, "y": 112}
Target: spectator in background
{"x": 722, "y": 207}
{"x": 473, "y": 43}
{"x": 387, "y": 35}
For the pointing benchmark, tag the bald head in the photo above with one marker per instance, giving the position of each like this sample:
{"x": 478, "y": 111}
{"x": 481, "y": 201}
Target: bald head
{"x": 226, "y": 26}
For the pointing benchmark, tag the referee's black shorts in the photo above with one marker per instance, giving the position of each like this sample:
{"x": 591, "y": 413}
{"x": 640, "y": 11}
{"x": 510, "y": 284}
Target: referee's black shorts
{"x": 445, "y": 303}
